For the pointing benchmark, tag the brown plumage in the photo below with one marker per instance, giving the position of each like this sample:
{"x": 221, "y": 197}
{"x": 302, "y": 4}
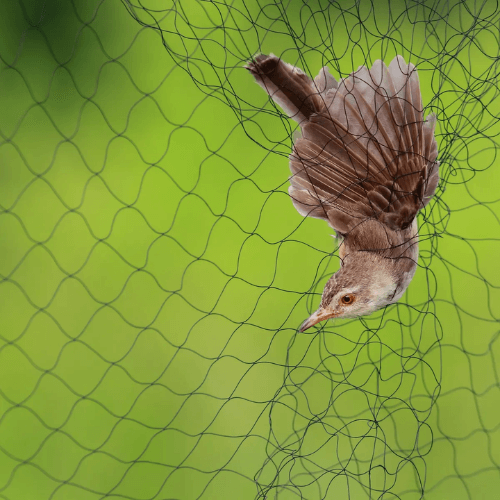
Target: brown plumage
{"x": 366, "y": 164}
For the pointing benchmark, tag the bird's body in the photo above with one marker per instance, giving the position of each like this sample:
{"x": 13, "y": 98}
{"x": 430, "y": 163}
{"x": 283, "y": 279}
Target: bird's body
{"x": 366, "y": 164}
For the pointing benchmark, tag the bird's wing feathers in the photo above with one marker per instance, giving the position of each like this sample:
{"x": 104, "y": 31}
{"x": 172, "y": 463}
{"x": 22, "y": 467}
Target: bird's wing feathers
{"x": 366, "y": 151}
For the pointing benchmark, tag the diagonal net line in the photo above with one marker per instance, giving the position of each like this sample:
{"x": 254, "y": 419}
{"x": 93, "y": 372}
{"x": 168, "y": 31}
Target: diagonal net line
{"x": 154, "y": 270}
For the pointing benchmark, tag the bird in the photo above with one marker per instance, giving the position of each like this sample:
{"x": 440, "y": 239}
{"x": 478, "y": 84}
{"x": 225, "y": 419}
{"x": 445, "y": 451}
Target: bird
{"x": 365, "y": 161}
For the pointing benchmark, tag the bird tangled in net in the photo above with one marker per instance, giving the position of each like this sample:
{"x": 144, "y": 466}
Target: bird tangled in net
{"x": 366, "y": 164}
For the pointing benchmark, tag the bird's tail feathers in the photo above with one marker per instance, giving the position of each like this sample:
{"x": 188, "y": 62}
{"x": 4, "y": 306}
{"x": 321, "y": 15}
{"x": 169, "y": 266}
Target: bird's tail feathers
{"x": 295, "y": 92}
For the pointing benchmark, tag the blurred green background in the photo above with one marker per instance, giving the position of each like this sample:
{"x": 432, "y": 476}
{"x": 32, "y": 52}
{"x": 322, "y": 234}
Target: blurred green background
{"x": 154, "y": 271}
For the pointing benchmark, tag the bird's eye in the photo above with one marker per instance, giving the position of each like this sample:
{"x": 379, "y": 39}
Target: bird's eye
{"x": 347, "y": 299}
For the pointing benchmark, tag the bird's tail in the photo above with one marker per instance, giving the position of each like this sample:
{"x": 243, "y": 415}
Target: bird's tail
{"x": 295, "y": 92}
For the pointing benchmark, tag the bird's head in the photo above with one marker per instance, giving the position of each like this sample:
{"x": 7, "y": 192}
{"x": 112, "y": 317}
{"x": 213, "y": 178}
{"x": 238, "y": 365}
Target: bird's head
{"x": 364, "y": 283}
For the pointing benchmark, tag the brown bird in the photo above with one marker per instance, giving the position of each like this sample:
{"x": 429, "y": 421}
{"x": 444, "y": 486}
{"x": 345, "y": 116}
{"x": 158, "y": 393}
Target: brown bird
{"x": 366, "y": 164}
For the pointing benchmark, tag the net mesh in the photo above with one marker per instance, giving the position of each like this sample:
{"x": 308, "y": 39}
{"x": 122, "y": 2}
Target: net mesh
{"x": 154, "y": 271}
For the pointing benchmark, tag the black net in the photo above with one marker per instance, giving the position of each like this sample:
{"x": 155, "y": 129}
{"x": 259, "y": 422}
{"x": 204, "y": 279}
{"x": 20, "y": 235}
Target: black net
{"x": 154, "y": 270}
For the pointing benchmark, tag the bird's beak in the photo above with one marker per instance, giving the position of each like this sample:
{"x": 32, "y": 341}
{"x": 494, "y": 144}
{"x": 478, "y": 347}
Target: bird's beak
{"x": 319, "y": 315}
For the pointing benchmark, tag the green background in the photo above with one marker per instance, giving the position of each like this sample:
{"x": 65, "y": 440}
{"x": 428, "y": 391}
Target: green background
{"x": 154, "y": 271}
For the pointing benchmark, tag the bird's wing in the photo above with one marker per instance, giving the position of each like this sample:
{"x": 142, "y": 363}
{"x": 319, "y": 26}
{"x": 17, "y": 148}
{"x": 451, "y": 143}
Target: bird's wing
{"x": 366, "y": 151}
